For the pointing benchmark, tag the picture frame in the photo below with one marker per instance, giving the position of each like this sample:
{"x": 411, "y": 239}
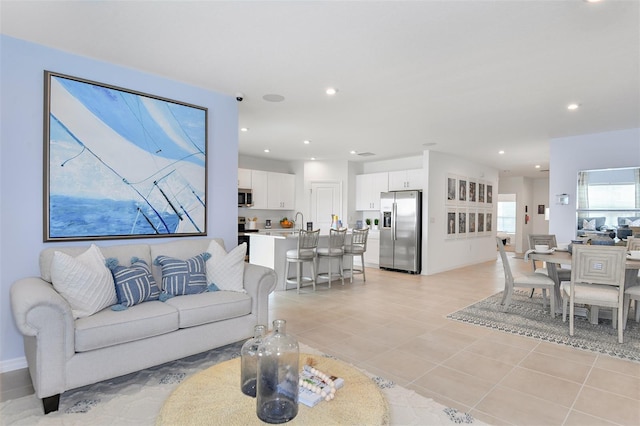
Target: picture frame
{"x": 481, "y": 186}
{"x": 451, "y": 190}
{"x": 481, "y": 223}
{"x": 462, "y": 190}
{"x": 489, "y": 195}
{"x": 462, "y": 223}
{"x": 451, "y": 224}
{"x": 471, "y": 221}
{"x": 540, "y": 208}
{"x": 119, "y": 163}
{"x": 473, "y": 193}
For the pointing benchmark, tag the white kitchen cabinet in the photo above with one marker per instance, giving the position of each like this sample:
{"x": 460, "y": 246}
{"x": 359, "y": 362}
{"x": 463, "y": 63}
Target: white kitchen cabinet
{"x": 405, "y": 179}
{"x": 244, "y": 178}
{"x": 368, "y": 189}
{"x": 281, "y": 191}
{"x": 372, "y": 255}
{"x": 259, "y": 189}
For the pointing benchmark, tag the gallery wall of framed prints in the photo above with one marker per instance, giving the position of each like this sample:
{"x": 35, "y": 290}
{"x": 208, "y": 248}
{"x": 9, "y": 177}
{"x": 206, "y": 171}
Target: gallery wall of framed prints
{"x": 469, "y": 207}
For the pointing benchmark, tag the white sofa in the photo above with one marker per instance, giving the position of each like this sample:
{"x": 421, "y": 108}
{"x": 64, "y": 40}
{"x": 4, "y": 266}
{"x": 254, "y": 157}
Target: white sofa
{"x": 65, "y": 353}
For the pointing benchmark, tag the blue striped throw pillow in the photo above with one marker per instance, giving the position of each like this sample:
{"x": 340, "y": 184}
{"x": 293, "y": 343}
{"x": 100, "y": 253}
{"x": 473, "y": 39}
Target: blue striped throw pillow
{"x": 180, "y": 277}
{"x": 134, "y": 284}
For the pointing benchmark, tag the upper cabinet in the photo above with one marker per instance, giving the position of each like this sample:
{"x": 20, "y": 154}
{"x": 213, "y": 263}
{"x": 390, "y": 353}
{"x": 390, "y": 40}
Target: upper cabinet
{"x": 259, "y": 189}
{"x": 368, "y": 189}
{"x": 405, "y": 179}
{"x": 244, "y": 178}
{"x": 281, "y": 191}
{"x": 270, "y": 190}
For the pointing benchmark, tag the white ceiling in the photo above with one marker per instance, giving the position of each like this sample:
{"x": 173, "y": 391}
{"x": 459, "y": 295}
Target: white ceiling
{"x": 471, "y": 77}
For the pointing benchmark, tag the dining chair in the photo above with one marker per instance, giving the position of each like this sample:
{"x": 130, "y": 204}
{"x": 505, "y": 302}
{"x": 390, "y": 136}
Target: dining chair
{"x": 334, "y": 251}
{"x": 528, "y": 280}
{"x": 597, "y": 278}
{"x": 357, "y": 247}
{"x": 549, "y": 240}
{"x": 633, "y": 243}
{"x": 305, "y": 252}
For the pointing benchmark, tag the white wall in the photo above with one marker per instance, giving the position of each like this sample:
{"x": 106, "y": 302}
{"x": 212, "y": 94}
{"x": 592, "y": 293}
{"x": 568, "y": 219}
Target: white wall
{"x": 441, "y": 254}
{"x": 21, "y": 155}
{"x": 569, "y": 155}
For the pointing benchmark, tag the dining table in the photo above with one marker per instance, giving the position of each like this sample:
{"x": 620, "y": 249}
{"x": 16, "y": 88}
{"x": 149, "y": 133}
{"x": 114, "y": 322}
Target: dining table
{"x": 556, "y": 258}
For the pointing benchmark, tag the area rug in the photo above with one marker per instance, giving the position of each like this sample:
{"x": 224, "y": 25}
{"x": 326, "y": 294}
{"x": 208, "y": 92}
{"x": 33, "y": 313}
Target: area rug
{"x": 525, "y": 317}
{"x": 136, "y": 399}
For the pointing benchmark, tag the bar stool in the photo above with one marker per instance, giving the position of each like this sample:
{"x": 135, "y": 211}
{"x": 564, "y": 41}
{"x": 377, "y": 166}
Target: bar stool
{"x": 357, "y": 247}
{"x": 306, "y": 251}
{"x": 335, "y": 251}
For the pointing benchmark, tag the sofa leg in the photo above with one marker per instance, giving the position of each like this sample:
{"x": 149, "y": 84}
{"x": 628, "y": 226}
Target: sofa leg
{"x": 51, "y": 403}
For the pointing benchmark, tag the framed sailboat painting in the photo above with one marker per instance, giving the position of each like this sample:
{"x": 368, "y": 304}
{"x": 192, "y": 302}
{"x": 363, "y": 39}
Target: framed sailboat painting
{"x": 121, "y": 164}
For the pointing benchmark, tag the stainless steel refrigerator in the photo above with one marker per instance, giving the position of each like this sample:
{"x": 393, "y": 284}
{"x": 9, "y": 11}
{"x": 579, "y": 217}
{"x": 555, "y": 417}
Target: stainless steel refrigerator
{"x": 401, "y": 231}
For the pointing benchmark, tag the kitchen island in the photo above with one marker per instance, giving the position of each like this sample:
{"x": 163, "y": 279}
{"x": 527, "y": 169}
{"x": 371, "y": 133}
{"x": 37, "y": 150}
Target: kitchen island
{"x": 269, "y": 248}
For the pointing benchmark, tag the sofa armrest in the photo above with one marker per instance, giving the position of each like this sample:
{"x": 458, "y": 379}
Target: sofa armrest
{"x": 259, "y": 282}
{"x": 44, "y": 317}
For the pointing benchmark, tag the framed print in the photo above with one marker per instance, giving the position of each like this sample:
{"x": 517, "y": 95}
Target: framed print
{"x": 462, "y": 223}
{"x": 481, "y": 186}
{"x": 480, "y": 222}
{"x": 452, "y": 194}
{"x": 451, "y": 223}
{"x": 120, "y": 163}
{"x": 489, "y": 197}
{"x": 462, "y": 190}
{"x": 489, "y": 220}
{"x": 471, "y": 220}
{"x": 540, "y": 208}
{"x": 472, "y": 191}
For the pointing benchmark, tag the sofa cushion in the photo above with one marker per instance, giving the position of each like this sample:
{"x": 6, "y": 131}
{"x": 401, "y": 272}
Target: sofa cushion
{"x": 134, "y": 284}
{"x": 84, "y": 281}
{"x": 600, "y": 222}
{"x": 180, "y": 248}
{"x": 198, "y": 309}
{"x": 623, "y": 221}
{"x": 180, "y": 277}
{"x": 108, "y": 328}
{"x": 226, "y": 270}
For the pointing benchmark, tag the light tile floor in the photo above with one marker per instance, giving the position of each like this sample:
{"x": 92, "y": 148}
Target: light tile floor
{"x": 394, "y": 325}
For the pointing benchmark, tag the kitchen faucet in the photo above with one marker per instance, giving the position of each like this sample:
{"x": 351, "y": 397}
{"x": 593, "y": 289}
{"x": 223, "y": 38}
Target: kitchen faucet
{"x": 295, "y": 219}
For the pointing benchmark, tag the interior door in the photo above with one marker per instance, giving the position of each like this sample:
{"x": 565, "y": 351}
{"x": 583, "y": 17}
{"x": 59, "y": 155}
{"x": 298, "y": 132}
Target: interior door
{"x": 326, "y": 199}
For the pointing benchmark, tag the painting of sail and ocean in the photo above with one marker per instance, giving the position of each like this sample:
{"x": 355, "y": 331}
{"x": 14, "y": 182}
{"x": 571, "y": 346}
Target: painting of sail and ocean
{"x": 121, "y": 164}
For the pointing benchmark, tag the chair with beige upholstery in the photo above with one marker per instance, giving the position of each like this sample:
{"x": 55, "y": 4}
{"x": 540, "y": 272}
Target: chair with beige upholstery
{"x": 549, "y": 240}
{"x": 528, "y": 280}
{"x": 305, "y": 252}
{"x": 597, "y": 278}
{"x": 334, "y": 251}
{"x": 632, "y": 293}
{"x": 357, "y": 247}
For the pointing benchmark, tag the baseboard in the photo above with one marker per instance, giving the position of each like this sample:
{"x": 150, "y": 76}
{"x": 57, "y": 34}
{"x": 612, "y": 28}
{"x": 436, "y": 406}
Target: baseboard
{"x": 13, "y": 364}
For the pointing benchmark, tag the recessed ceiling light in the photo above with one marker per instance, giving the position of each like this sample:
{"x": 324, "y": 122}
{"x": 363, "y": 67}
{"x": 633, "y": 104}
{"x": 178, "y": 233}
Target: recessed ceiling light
{"x": 537, "y": 166}
{"x": 352, "y": 152}
{"x": 500, "y": 152}
{"x": 267, "y": 150}
{"x": 306, "y": 142}
{"x": 313, "y": 158}
{"x": 592, "y": 1}
{"x": 571, "y": 107}
{"x": 430, "y": 144}
{"x": 331, "y": 91}
{"x": 244, "y": 129}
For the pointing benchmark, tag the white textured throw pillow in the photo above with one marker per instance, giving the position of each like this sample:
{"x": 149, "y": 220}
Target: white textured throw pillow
{"x": 84, "y": 281}
{"x": 226, "y": 270}
{"x": 632, "y": 222}
{"x": 589, "y": 225}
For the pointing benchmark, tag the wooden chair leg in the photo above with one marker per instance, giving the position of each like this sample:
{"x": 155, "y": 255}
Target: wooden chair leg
{"x": 364, "y": 277}
{"x": 51, "y": 403}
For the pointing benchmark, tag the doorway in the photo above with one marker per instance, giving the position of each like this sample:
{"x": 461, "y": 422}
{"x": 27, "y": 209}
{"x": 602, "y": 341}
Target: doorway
{"x": 326, "y": 199}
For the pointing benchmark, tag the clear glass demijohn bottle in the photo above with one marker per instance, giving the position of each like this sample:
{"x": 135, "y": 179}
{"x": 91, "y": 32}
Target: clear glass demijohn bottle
{"x": 277, "y": 388}
{"x": 249, "y": 361}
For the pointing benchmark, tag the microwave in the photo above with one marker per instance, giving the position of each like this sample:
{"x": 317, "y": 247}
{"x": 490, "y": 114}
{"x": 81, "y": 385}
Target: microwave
{"x": 245, "y": 198}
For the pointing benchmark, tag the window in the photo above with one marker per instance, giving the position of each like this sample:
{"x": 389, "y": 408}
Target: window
{"x": 507, "y": 217}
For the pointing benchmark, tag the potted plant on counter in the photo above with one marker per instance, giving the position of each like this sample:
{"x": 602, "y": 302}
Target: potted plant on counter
{"x": 368, "y": 222}
{"x": 375, "y": 224}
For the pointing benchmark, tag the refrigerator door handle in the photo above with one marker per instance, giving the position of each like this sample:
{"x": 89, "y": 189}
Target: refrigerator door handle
{"x": 393, "y": 221}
